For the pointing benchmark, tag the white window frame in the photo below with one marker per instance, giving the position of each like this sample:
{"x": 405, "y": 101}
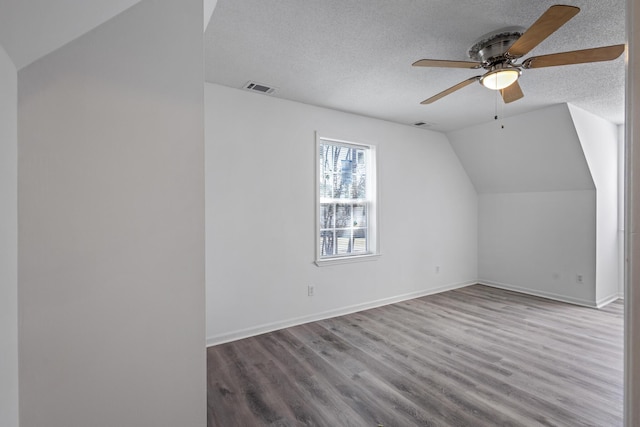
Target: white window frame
{"x": 373, "y": 251}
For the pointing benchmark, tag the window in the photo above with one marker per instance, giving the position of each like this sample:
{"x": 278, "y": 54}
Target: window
{"x": 346, "y": 226}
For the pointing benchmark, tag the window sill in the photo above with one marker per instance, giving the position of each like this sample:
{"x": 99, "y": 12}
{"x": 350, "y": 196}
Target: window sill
{"x": 346, "y": 260}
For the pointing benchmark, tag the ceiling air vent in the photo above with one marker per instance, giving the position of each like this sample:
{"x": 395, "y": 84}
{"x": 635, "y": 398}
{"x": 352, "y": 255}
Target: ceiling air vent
{"x": 257, "y": 87}
{"x": 423, "y": 124}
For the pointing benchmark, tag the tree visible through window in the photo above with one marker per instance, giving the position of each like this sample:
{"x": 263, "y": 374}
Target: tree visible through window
{"x": 345, "y": 199}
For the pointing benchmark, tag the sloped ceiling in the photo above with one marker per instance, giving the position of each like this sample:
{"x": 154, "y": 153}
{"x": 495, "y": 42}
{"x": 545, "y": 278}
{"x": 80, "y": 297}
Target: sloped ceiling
{"x": 30, "y": 29}
{"x": 534, "y": 151}
{"x": 356, "y": 55}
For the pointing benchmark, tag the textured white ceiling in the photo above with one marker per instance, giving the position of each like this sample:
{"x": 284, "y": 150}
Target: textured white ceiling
{"x": 356, "y": 55}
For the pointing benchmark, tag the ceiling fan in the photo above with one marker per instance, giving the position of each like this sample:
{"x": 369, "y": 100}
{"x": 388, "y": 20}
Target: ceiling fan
{"x": 498, "y": 52}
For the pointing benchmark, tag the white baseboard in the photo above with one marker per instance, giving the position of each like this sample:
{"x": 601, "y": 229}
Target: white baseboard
{"x": 607, "y": 300}
{"x": 543, "y": 294}
{"x": 287, "y": 323}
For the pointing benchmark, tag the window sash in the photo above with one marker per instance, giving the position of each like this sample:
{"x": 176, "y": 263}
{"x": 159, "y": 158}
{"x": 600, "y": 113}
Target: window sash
{"x": 354, "y": 234}
{"x": 332, "y": 235}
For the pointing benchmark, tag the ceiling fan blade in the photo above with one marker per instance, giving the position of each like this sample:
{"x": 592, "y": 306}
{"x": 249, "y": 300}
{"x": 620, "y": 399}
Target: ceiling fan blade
{"x": 511, "y": 93}
{"x": 597, "y": 54}
{"x": 450, "y": 90}
{"x": 446, "y": 64}
{"x": 550, "y": 21}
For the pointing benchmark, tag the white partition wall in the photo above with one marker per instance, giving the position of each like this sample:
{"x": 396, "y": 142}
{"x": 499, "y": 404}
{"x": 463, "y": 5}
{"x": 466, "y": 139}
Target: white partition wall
{"x": 111, "y": 230}
{"x": 8, "y": 243}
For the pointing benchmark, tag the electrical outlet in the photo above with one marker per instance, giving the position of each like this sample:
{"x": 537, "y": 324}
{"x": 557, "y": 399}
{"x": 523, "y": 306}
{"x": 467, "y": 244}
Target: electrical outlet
{"x": 579, "y": 279}
{"x": 311, "y": 290}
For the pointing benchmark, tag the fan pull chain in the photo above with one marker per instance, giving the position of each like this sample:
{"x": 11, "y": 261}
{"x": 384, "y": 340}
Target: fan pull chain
{"x": 496, "y": 117}
{"x": 501, "y": 113}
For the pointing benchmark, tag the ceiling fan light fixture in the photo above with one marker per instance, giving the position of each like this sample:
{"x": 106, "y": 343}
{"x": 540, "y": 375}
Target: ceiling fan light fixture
{"x": 500, "y": 78}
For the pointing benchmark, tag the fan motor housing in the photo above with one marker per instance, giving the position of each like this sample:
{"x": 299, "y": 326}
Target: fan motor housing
{"x": 491, "y": 48}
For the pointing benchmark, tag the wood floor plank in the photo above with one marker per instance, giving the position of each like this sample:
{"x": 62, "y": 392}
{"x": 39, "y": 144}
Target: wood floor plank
{"x": 441, "y": 386}
{"x": 311, "y": 381}
{"x": 358, "y": 363}
{"x": 459, "y": 349}
{"x": 476, "y": 356}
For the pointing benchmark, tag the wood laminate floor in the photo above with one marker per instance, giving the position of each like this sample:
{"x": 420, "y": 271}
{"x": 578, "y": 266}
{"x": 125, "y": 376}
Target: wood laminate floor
{"x": 476, "y": 356}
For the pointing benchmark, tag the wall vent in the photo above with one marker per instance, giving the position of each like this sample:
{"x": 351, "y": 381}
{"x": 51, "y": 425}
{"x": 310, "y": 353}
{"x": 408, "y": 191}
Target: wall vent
{"x": 257, "y": 87}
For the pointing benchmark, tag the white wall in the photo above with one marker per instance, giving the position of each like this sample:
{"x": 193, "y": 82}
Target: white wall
{"x": 208, "y": 6}
{"x": 111, "y": 232}
{"x": 539, "y": 242}
{"x": 8, "y": 243}
{"x": 537, "y": 204}
{"x": 260, "y": 193}
{"x": 599, "y": 140}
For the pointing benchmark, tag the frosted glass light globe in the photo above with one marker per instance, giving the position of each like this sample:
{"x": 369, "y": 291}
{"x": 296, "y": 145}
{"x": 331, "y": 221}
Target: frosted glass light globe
{"x": 500, "y": 78}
